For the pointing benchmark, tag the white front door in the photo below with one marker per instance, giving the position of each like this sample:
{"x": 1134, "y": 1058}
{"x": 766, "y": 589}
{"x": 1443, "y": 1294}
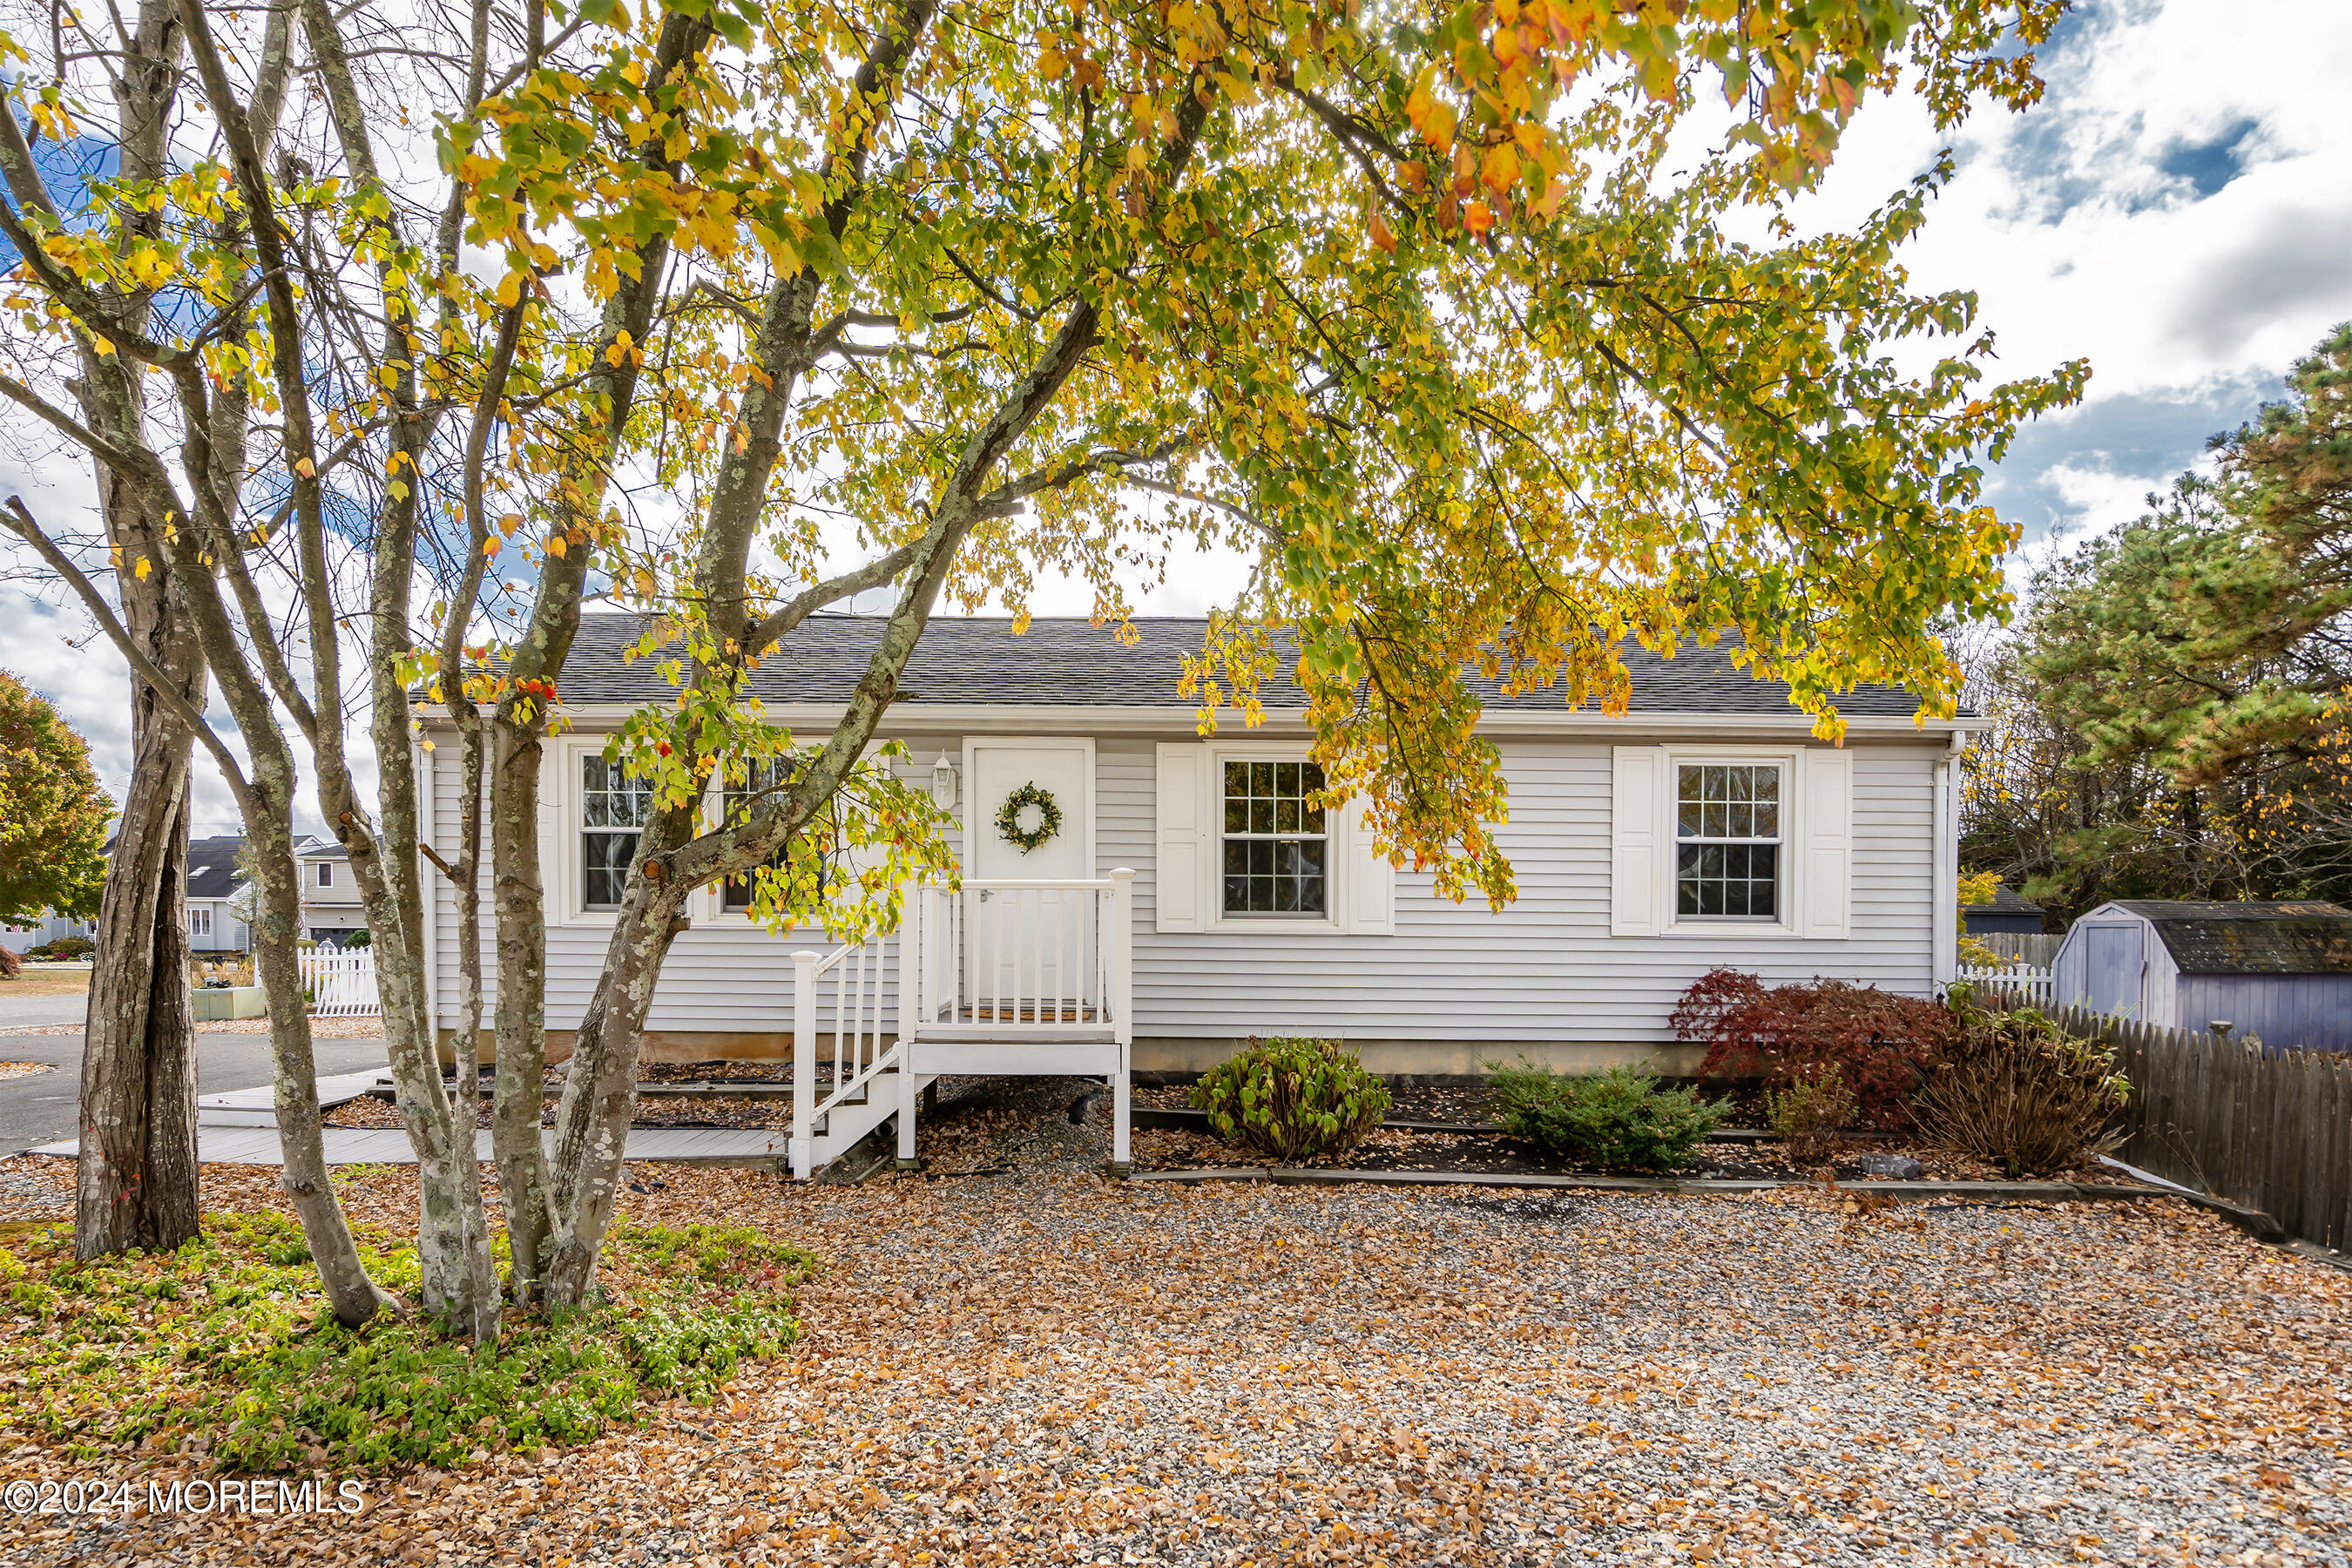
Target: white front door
{"x": 1030, "y": 949}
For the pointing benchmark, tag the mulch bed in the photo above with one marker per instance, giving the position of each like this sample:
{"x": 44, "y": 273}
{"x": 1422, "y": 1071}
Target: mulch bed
{"x": 368, "y": 1110}
{"x": 715, "y": 1072}
{"x": 1466, "y": 1105}
{"x": 1496, "y": 1153}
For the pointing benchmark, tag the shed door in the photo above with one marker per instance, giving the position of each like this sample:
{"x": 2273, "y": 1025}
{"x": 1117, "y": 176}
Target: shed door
{"x": 2115, "y": 968}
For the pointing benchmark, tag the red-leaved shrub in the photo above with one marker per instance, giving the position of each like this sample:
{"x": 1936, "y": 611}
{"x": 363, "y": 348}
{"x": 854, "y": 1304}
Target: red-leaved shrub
{"x": 1881, "y": 1044}
{"x": 11, "y": 964}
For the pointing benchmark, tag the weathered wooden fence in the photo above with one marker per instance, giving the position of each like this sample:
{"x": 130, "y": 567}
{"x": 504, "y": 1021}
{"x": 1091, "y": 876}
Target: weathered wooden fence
{"x": 2267, "y": 1129}
{"x": 2034, "y": 949}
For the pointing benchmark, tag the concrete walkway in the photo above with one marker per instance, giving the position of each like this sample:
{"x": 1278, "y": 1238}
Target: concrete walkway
{"x": 240, "y": 1128}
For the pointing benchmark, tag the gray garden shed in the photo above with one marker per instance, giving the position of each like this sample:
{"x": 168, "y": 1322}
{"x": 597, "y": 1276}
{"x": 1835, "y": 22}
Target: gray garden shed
{"x": 2282, "y": 970}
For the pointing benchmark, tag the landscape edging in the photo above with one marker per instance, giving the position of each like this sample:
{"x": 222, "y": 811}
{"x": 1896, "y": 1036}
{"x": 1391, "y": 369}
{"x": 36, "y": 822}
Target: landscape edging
{"x": 1912, "y": 1192}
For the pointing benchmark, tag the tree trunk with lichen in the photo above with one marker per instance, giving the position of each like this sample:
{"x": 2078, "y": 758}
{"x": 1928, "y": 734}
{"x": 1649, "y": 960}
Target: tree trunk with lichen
{"x": 136, "y": 1169}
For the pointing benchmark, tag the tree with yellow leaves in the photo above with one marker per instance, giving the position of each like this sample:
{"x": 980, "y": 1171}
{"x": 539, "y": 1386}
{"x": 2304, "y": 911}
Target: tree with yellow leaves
{"x": 1408, "y": 303}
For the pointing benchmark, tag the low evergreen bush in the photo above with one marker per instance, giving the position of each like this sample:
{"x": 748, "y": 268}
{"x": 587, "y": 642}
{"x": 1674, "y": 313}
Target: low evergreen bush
{"x": 1292, "y": 1098}
{"x": 1619, "y": 1118}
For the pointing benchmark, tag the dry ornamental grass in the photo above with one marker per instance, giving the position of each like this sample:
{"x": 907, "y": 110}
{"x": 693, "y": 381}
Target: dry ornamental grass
{"x": 1044, "y": 1366}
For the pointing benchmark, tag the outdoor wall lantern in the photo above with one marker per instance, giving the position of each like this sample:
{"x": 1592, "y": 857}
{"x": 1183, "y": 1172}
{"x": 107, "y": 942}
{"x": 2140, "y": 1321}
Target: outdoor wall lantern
{"x": 943, "y": 783}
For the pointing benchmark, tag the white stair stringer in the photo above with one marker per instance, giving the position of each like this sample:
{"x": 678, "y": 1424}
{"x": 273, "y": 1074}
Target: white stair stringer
{"x": 840, "y": 1128}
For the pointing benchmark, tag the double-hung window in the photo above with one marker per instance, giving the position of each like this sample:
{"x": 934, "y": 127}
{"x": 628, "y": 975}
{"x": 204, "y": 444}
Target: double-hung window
{"x": 1276, "y": 847}
{"x": 200, "y": 922}
{"x": 1728, "y": 838}
{"x": 326, "y": 873}
{"x": 612, "y": 812}
{"x": 735, "y": 892}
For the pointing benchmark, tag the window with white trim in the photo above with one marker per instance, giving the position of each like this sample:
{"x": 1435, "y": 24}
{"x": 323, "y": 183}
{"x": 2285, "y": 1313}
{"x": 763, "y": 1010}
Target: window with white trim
{"x": 766, "y": 774}
{"x": 200, "y": 921}
{"x": 1727, "y": 840}
{"x": 1275, "y": 849}
{"x": 326, "y": 873}
{"x": 612, "y": 812}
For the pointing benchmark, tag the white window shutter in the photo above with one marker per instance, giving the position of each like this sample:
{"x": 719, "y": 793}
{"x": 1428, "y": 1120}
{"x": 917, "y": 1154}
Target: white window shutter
{"x": 1180, "y": 878}
{"x": 1370, "y": 879}
{"x": 1637, "y": 867}
{"x": 559, "y": 835}
{"x": 1825, "y": 888}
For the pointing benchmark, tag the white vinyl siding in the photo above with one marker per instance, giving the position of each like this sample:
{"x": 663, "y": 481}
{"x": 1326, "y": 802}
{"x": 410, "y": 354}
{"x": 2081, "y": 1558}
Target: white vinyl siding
{"x": 1544, "y": 969}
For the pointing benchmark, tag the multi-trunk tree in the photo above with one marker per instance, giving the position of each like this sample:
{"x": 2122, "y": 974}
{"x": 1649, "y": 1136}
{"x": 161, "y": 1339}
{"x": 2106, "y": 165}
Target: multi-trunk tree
{"x": 731, "y": 311}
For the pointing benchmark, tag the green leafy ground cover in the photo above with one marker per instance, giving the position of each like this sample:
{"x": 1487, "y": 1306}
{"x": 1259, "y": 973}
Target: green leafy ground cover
{"x": 225, "y": 1348}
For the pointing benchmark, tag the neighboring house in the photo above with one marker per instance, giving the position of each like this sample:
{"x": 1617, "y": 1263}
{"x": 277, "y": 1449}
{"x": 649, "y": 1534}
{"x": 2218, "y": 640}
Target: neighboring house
{"x": 2011, "y": 911}
{"x": 219, "y": 900}
{"x": 214, "y": 882}
{"x": 1705, "y": 827}
{"x": 2281, "y": 971}
{"x": 330, "y": 899}
{"x": 41, "y": 932}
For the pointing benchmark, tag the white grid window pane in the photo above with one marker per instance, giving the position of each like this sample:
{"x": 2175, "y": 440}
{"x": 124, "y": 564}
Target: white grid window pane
{"x": 1275, "y": 846}
{"x": 613, "y": 809}
{"x": 735, "y": 892}
{"x": 1728, "y": 841}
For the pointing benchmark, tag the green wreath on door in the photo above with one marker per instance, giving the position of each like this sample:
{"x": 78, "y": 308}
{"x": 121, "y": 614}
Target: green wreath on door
{"x": 1008, "y": 818}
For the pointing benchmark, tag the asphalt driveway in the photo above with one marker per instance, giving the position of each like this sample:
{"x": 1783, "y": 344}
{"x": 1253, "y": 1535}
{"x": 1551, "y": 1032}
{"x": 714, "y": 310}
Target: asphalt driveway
{"x": 38, "y": 1108}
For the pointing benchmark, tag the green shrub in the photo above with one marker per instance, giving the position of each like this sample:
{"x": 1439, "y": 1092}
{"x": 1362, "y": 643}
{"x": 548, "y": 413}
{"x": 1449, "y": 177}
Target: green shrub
{"x": 1619, "y": 1118}
{"x": 1292, "y": 1098}
{"x": 2015, "y": 1090}
{"x": 226, "y": 1343}
{"x": 1810, "y": 1113}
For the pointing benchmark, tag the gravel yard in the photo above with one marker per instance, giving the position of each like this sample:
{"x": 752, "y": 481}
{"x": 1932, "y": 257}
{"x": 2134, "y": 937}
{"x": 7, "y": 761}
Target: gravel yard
{"x": 1045, "y": 1367}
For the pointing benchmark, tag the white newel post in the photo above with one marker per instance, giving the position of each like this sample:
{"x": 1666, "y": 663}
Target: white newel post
{"x": 803, "y": 1147}
{"x": 910, "y": 996}
{"x": 1123, "y": 925}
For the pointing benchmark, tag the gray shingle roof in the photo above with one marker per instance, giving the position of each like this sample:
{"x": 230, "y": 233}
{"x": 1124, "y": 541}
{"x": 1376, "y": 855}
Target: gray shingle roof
{"x": 211, "y": 867}
{"x": 2008, "y": 901}
{"x": 1066, "y": 662}
{"x": 2254, "y": 938}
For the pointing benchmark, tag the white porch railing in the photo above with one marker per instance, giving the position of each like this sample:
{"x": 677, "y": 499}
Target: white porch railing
{"x": 860, "y": 975}
{"x": 341, "y": 984}
{"x": 2034, "y": 987}
{"x": 1022, "y": 959}
{"x": 1006, "y": 961}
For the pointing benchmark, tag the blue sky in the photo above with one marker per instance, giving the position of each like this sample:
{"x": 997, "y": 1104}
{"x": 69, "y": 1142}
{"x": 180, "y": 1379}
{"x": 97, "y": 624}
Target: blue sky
{"x": 2177, "y": 210}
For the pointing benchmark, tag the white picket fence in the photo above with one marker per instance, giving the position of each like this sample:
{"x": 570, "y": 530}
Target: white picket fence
{"x": 2034, "y": 987}
{"x": 341, "y": 984}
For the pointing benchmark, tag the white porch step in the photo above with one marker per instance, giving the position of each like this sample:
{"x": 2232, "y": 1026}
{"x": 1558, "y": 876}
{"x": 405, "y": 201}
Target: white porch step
{"x": 1054, "y": 1055}
{"x": 841, "y": 1127}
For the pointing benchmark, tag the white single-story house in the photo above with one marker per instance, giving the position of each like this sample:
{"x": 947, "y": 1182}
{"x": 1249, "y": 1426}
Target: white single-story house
{"x": 1194, "y": 897}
